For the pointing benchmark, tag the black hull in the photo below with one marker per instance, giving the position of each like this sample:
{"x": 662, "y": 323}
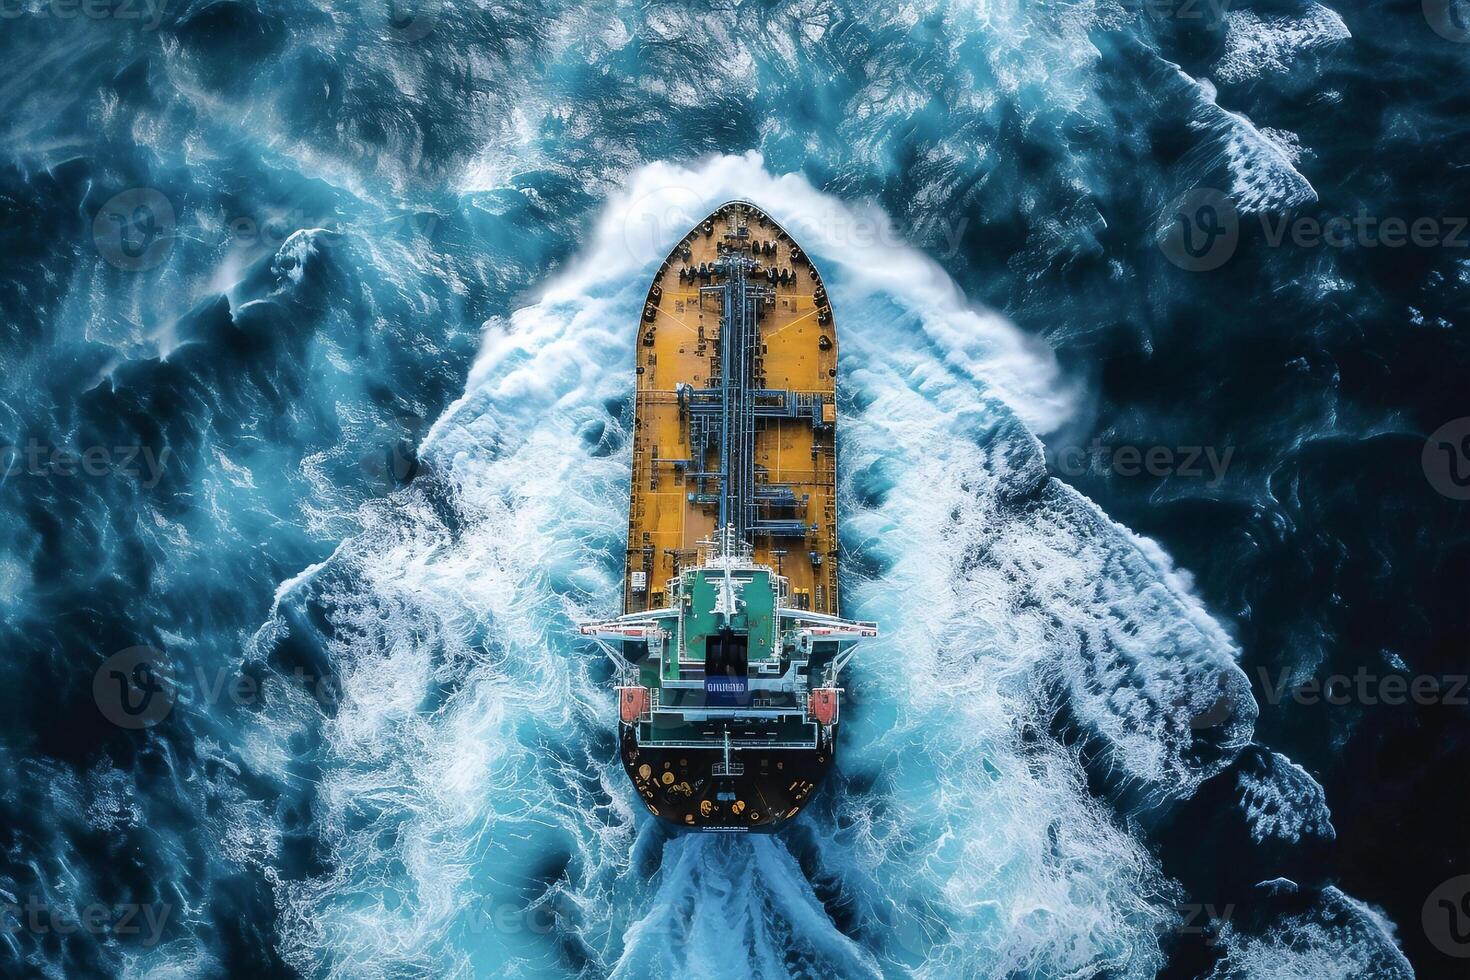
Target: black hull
{"x": 775, "y": 784}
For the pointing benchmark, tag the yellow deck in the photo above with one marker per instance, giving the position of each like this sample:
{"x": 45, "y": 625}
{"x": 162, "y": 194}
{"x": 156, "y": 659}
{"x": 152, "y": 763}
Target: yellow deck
{"x": 681, "y": 344}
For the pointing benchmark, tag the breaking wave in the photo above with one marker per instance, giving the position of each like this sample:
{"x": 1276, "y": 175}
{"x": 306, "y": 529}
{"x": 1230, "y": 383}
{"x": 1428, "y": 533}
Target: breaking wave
{"x": 469, "y": 770}
{"x": 1257, "y": 44}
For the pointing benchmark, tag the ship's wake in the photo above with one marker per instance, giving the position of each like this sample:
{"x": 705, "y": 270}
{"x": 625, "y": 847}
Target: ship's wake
{"x": 1044, "y": 674}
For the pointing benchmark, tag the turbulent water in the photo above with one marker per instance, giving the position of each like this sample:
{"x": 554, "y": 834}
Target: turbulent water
{"x": 318, "y": 346}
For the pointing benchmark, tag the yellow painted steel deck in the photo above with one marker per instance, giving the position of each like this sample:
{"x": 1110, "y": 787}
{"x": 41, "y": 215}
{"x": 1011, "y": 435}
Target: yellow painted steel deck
{"x": 679, "y": 342}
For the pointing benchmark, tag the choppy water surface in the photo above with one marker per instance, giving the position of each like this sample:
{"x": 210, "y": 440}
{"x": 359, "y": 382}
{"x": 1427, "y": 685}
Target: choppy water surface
{"x": 342, "y": 298}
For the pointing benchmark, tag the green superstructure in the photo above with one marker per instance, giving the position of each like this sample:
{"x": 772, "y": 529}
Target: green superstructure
{"x": 729, "y": 698}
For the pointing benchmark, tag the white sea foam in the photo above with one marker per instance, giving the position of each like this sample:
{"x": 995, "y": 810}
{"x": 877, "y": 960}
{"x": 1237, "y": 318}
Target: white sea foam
{"x": 1338, "y": 938}
{"x": 856, "y": 242}
{"x": 470, "y": 789}
{"x": 1257, "y": 44}
{"x": 1258, "y": 172}
{"x": 1281, "y": 800}
{"x": 735, "y": 908}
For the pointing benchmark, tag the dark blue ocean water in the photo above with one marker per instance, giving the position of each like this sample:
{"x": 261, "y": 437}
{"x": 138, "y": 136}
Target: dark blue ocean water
{"x": 317, "y": 326}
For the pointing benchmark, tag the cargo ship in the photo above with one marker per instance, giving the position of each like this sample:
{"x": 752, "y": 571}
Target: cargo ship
{"x": 730, "y": 649}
